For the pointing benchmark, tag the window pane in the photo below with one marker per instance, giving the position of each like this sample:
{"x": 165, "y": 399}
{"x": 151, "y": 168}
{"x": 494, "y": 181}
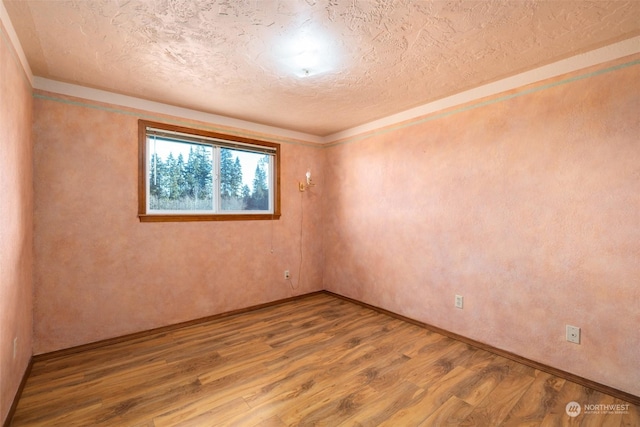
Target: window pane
{"x": 180, "y": 176}
{"x": 244, "y": 180}
{"x": 197, "y": 175}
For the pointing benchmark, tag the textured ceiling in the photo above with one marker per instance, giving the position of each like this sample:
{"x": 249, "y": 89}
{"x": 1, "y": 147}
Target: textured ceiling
{"x": 316, "y": 66}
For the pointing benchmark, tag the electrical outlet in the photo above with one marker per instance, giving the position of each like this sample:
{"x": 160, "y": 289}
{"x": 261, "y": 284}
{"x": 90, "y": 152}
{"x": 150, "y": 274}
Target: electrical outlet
{"x": 573, "y": 334}
{"x": 287, "y": 275}
{"x": 459, "y": 301}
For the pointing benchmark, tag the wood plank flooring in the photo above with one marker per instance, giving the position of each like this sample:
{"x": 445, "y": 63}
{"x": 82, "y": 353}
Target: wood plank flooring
{"x": 316, "y": 361}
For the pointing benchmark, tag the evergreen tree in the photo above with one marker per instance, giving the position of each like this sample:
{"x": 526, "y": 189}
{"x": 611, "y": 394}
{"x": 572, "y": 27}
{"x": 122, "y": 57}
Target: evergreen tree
{"x": 236, "y": 178}
{"x": 201, "y": 170}
{"x": 176, "y": 184}
{"x": 260, "y": 195}
{"x": 230, "y": 181}
{"x": 181, "y": 177}
{"x": 246, "y": 194}
{"x": 172, "y": 173}
{"x": 206, "y": 172}
{"x": 156, "y": 175}
{"x": 189, "y": 175}
{"x": 226, "y": 173}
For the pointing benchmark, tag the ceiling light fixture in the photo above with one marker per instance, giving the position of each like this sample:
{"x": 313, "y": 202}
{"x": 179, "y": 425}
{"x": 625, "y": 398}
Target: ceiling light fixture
{"x": 307, "y": 57}
{"x": 307, "y": 54}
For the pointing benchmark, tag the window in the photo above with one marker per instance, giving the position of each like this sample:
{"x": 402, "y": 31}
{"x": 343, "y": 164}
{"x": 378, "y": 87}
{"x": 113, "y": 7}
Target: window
{"x": 192, "y": 175}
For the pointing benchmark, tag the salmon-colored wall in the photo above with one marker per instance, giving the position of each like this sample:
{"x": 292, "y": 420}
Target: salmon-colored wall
{"x": 16, "y": 223}
{"x": 527, "y": 204}
{"x": 101, "y": 273}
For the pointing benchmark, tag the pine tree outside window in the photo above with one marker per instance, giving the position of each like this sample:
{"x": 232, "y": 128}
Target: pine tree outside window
{"x": 193, "y": 175}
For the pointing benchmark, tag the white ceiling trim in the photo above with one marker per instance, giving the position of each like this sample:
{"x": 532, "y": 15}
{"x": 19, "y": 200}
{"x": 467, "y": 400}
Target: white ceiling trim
{"x": 574, "y": 63}
{"x": 103, "y": 96}
{"x": 13, "y": 37}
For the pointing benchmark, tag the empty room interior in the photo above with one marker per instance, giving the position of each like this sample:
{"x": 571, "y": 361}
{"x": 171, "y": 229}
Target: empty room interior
{"x": 322, "y": 212}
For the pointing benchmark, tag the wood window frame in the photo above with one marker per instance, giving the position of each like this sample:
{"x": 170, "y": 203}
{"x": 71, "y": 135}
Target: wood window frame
{"x": 145, "y": 216}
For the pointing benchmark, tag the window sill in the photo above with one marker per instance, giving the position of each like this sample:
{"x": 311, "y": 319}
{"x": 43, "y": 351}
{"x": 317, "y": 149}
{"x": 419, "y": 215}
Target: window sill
{"x": 207, "y": 217}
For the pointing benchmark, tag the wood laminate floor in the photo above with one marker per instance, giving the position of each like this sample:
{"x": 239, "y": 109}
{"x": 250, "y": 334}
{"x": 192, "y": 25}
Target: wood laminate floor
{"x": 319, "y": 360}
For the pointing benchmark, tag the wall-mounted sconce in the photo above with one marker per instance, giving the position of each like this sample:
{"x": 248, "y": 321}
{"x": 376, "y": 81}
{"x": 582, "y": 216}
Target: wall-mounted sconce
{"x": 302, "y": 186}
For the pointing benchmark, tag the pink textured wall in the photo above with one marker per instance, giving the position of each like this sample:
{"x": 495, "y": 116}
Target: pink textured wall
{"x": 101, "y": 273}
{"x": 16, "y": 223}
{"x": 528, "y": 206}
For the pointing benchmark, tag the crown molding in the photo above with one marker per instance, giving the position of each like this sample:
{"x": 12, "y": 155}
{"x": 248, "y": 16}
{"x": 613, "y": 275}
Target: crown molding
{"x": 608, "y": 53}
{"x": 13, "y": 38}
{"x": 103, "y": 96}
{"x": 584, "y": 60}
